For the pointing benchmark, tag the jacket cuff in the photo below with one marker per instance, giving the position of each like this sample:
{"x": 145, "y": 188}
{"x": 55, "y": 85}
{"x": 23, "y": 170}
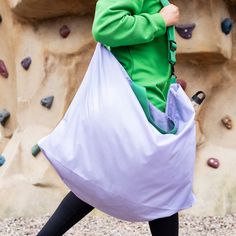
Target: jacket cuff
{"x": 160, "y": 24}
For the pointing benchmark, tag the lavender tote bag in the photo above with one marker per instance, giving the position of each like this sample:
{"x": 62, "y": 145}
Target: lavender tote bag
{"x": 109, "y": 154}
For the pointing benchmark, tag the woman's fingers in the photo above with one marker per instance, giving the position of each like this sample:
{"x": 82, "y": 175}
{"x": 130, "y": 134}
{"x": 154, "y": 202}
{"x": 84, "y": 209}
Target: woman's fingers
{"x": 170, "y": 14}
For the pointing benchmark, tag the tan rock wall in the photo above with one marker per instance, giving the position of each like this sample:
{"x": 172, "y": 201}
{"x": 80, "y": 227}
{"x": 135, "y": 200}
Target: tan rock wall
{"x": 35, "y": 9}
{"x": 208, "y": 43}
{"x": 29, "y": 185}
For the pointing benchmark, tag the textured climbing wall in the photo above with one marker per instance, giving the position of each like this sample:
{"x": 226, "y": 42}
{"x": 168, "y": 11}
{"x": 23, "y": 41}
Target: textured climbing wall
{"x": 207, "y": 62}
{"x": 47, "y": 60}
{"x": 35, "y": 9}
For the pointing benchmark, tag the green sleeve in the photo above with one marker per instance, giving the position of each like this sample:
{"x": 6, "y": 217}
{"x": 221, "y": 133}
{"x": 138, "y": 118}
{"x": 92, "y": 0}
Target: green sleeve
{"x": 121, "y": 23}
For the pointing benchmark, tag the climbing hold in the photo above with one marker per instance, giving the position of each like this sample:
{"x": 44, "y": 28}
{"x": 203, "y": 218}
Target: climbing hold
{"x": 213, "y": 162}
{"x": 3, "y": 69}
{"x": 185, "y": 31}
{"x": 226, "y": 25}
{"x": 47, "y": 101}
{"x": 64, "y": 31}
{"x": 197, "y": 99}
{"x": 26, "y": 63}
{"x": 227, "y": 122}
{"x": 2, "y": 160}
{"x": 4, "y": 115}
{"x": 0, "y": 19}
{"x": 35, "y": 150}
{"x": 182, "y": 83}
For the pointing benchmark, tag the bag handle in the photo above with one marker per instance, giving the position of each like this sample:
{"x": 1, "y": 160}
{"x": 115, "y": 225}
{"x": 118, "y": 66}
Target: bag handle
{"x": 140, "y": 91}
{"x": 172, "y": 46}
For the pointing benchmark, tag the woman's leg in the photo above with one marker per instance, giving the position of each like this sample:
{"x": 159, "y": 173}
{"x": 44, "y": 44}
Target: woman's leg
{"x": 68, "y": 213}
{"x": 167, "y": 226}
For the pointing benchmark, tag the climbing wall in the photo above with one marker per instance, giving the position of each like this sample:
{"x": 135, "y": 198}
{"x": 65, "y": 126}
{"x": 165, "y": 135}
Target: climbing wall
{"x": 46, "y": 46}
{"x": 206, "y": 61}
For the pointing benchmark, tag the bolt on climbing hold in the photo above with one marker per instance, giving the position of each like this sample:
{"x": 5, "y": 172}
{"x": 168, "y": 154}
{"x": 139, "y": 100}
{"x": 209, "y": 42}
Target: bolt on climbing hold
{"x": 3, "y": 69}
{"x": 47, "y": 101}
{"x": 185, "y": 30}
{"x": 64, "y": 31}
{"x": 4, "y": 116}
{"x": 213, "y": 162}
{"x": 2, "y": 160}
{"x": 197, "y": 99}
{"x": 35, "y": 150}
{"x": 226, "y": 25}
{"x": 182, "y": 83}
{"x": 26, "y": 63}
{"x": 227, "y": 122}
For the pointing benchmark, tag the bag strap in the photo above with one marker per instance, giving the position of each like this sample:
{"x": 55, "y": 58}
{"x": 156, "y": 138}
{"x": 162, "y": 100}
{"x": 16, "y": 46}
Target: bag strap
{"x": 140, "y": 91}
{"x": 172, "y": 46}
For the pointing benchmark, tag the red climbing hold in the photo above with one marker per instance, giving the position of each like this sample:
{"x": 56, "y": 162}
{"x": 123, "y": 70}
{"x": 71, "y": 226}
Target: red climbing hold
{"x": 64, "y": 31}
{"x": 3, "y": 69}
{"x": 213, "y": 162}
{"x": 182, "y": 83}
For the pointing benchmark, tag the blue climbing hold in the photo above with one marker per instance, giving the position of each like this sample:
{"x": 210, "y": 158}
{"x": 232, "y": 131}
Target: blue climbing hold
{"x": 2, "y": 160}
{"x": 226, "y": 25}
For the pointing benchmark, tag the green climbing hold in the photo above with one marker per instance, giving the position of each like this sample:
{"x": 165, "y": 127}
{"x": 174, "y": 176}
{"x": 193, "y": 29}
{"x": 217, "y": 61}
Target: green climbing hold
{"x": 35, "y": 150}
{"x": 2, "y": 160}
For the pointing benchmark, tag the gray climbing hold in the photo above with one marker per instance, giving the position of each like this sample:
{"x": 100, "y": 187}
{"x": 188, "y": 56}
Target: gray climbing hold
{"x": 26, "y": 63}
{"x": 35, "y": 150}
{"x": 47, "y": 101}
{"x": 226, "y": 25}
{"x": 4, "y": 115}
{"x": 186, "y": 30}
{"x": 2, "y": 160}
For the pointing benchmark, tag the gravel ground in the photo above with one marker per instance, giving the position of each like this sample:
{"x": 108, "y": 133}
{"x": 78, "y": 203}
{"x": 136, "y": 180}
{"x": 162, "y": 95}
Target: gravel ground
{"x": 97, "y": 225}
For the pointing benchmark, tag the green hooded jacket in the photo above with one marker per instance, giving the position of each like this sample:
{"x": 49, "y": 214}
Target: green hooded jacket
{"x": 136, "y": 34}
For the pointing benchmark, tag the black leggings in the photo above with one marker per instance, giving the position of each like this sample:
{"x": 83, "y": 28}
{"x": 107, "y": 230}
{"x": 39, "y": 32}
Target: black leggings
{"x": 72, "y": 209}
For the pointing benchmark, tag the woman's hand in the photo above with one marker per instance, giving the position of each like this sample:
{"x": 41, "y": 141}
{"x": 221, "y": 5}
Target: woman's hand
{"x": 170, "y": 14}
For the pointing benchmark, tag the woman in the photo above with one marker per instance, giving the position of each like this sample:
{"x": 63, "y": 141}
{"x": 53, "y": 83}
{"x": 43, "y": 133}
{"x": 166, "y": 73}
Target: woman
{"x": 135, "y": 32}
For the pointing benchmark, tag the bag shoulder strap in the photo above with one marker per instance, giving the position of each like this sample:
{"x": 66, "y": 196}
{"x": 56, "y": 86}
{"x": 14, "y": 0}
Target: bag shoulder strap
{"x": 172, "y": 46}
